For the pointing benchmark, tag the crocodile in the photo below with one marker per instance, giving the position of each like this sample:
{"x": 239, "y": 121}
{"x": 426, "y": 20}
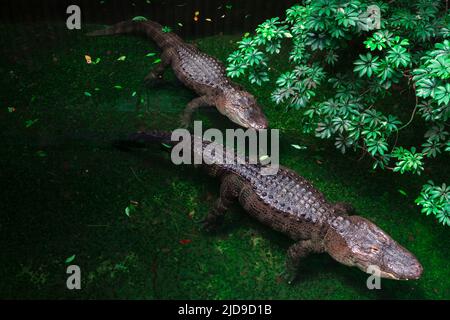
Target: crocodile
{"x": 290, "y": 204}
{"x": 200, "y": 72}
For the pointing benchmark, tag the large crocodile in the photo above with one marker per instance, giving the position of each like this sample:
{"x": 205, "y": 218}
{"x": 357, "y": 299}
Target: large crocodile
{"x": 200, "y": 72}
{"x": 289, "y": 204}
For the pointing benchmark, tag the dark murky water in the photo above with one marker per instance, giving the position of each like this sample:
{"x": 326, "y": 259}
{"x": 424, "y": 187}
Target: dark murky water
{"x": 226, "y": 16}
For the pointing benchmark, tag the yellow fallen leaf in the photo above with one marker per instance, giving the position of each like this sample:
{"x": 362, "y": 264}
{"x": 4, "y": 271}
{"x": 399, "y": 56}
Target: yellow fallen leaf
{"x": 88, "y": 59}
{"x": 208, "y": 19}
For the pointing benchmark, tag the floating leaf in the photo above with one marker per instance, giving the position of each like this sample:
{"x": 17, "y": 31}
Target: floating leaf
{"x": 41, "y": 154}
{"x": 96, "y": 61}
{"x": 208, "y": 19}
{"x": 157, "y": 61}
{"x": 402, "y": 192}
{"x": 130, "y": 209}
{"x": 139, "y": 18}
{"x": 151, "y": 54}
{"x": 166, "y": 29}
{"x": 11, "y": 109}
{"x": 229, "y": 6}
{"x": 87, "y": 94}
{"x": 97, "y": 89}
{"x": 166, "y": 145}
{"x": 180, "y": 24}
{"x": 118, "y": 87}
{"x": 121, "y": 58}
{"x": 296, "y": 146}
{"x": 133, "y": 94}
{"x": 70, "y": 259}
{"x": 29, "y": 123}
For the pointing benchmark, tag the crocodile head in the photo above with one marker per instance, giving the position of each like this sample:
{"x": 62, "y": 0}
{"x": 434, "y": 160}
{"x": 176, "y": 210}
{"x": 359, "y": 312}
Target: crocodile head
{"x": 241, "y": 108}
{"x": 355, "y": 241}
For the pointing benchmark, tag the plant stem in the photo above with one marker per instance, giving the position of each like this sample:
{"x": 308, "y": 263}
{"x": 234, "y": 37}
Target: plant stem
{"x": 412, "y": 115}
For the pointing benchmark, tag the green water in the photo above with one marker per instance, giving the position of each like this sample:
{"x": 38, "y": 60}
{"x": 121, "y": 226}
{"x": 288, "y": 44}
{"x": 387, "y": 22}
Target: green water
{"x": 64, "y": 189}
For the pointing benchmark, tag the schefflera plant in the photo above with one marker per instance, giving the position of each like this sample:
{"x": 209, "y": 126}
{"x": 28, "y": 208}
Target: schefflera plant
{"x": 407, "y": 49}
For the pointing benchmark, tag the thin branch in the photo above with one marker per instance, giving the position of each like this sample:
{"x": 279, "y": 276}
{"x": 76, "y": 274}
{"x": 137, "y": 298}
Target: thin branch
{"x": 412, "y": 115}
{"x": 396, "y": 139}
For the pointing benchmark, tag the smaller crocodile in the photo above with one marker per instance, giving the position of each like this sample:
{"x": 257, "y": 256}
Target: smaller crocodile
{"x": 198, "y": 71}
{"x": 288, "y": 203}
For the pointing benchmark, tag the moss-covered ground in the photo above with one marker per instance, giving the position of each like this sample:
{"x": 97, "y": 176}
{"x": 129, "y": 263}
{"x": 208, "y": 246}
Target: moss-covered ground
{"x": 64, "y": 189}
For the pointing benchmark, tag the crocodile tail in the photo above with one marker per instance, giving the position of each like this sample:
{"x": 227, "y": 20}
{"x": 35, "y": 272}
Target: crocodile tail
{"x": 150, "y": 29}
{"x": 153, "y": 136}
{"x": 142, "y": 139}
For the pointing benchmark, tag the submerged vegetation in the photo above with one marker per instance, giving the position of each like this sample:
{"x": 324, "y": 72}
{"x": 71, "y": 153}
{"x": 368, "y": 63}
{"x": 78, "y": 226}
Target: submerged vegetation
{"x": 397, "y": 46}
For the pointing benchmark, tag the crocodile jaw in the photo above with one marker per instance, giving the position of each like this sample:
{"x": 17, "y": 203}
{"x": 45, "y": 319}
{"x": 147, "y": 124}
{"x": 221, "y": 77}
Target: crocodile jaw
{"x": 241, "y": 108}
{"x": 364, "y": 245}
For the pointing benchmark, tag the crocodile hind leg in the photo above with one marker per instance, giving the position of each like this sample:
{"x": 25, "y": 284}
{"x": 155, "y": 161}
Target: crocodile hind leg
{"x": 229, "y": 191}
{"x": 156, "y": 75}
{"x": 196, "y": 103}
{"x": 295, "y": 254}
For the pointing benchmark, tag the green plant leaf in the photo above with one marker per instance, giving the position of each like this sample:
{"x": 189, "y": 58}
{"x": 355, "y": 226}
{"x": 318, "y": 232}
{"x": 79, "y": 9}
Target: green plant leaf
{"x": 296, "y": 146}
{"x": 70, "y": 259}
{"x": 139, "y": 18}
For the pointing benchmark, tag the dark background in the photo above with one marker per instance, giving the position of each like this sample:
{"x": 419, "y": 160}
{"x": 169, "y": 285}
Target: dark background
{"x": 244, "y": 14}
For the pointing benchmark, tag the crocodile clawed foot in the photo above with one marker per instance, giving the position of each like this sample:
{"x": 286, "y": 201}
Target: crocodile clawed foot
{"x": 289, "y": 276}
{"x": 153, "y": 80}
{"x": 185, "y": 122}
{"x": 207, "y": 225}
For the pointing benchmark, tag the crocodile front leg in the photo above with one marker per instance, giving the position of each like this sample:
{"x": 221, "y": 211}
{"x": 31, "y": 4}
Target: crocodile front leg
{"x": 196, "y": 103}
{"x": 229, "y": 191}
{"x": 295, "y": 254}
{"x": 156, "y": 75}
